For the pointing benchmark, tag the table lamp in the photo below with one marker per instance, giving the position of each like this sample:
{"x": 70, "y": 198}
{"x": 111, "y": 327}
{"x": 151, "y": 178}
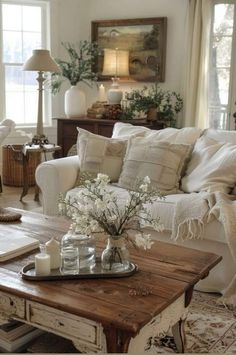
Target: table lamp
{"x": 41, "y": 61}
{"x": 116, "y": 63}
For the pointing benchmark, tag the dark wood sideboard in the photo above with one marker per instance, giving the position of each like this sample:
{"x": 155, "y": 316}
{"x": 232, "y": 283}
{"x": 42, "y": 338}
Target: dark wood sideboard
{"x": 67, "y": 129}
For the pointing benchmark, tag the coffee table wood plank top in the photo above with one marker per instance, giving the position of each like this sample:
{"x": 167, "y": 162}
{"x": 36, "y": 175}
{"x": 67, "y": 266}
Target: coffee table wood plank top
{"x": 167, "y": 271}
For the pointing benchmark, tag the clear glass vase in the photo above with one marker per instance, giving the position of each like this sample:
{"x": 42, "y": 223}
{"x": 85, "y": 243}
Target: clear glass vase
{"x": 77, "y": 252}
{"x": 116, "y": 255}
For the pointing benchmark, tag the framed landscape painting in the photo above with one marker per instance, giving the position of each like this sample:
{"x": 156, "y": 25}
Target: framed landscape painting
{"x": 144, "y": 39}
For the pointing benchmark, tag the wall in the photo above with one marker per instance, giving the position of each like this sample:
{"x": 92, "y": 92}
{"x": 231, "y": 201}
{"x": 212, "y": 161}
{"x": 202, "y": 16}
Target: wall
{"x": 71, "y": 21}
{"x": 75, "y": 18}
{"x": 70, "y": 25}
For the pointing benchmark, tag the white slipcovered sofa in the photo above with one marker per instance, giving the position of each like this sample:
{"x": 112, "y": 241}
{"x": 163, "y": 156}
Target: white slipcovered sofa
{"x": 201, "y": 161}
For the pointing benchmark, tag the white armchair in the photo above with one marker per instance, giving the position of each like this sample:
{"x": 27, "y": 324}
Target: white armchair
{"x": 5, "y": 128}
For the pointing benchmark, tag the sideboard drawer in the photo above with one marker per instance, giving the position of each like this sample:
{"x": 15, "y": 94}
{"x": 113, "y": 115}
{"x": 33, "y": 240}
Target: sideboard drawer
{"x": 65, "y": 324}
{"x": 11, "y": 306}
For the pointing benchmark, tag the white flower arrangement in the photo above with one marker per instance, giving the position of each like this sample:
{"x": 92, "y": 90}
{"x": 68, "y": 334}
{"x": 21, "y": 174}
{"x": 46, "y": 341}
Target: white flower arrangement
{"x": 97, "y": 209}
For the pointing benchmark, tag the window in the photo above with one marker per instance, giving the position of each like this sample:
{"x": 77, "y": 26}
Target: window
{"x": 222, "y": 95}
{"x": 24, "y": 28}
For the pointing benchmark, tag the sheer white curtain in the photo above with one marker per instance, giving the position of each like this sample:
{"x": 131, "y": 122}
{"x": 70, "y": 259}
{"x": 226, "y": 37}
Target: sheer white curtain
{"x": 195, "y": 90}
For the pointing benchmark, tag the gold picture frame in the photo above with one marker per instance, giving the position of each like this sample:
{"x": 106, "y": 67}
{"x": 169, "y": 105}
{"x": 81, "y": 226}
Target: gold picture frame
{"x": 145, "y": 39}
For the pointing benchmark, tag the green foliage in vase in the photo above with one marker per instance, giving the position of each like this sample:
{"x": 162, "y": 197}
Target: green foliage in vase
{"x": 168, "y": 103}
{"x": 79, "y": 68}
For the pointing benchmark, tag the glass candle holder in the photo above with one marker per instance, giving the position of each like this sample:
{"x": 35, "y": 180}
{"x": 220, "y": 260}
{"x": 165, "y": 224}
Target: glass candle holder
{"x": 69, "y": 259}
{"x": 85, "y": 246}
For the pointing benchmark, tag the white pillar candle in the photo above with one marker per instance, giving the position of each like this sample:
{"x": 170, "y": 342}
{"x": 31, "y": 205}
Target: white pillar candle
{"x": 42, "y": 264}
{"x": 53, "y": 249}
{"x": 102, "y": 93}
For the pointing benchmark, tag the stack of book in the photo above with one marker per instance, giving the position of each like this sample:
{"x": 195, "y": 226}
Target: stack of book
{"x": 15, "y": 336}
{"x": 51, "y": 343}
{"x": 97, "y": 110}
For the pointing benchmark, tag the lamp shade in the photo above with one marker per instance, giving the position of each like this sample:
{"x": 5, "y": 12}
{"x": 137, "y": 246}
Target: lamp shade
{"x": 41, "y": 60}
{"x": 116, "y": 62}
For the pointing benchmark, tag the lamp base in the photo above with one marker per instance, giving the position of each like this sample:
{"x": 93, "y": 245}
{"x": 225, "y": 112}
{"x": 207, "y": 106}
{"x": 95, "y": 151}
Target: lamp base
{"x": 40, "y": 140}
{"x": 114, "y": 94}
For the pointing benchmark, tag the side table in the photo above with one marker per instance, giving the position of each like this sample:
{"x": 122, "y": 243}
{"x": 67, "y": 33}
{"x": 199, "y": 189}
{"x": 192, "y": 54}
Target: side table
{"x": 32, "y": 149}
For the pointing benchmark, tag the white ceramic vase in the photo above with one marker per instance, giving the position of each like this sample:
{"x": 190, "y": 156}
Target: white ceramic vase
{"x": 75, "y": 102}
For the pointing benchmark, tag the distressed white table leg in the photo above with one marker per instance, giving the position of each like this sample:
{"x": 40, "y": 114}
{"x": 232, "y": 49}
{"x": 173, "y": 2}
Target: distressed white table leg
{"x": 159, "y": 326}
{"x": 172, "y": 318}
{"x": 100, "y": 347}
{"x": 179, "y": 335}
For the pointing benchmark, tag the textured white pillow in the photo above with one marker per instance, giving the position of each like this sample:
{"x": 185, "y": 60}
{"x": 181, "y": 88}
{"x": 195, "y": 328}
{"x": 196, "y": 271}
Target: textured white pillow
{"x": 212, "y": 167}
{"x": 100, "y": 154}
{"x": 222, "y": 136}
{"x": 187, "y": 135}
{"x": 161, "y": 161}
{"x": 126, "y": 130}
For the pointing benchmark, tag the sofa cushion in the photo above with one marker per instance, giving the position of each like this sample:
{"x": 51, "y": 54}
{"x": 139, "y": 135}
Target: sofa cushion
{"x": 100, "y": 154}
{"x": 161, "y": 161}
{"x": 212, "y": 167}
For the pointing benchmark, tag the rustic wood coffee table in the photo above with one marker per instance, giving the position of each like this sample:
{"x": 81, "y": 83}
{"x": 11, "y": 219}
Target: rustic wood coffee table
{"x": 105, "y": 315}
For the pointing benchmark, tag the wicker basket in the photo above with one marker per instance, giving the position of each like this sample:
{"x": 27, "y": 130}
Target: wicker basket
{"x": 12, "y": 170}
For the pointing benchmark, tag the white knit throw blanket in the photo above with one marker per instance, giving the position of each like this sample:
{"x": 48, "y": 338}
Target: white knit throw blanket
{"x": 194, "y": 211}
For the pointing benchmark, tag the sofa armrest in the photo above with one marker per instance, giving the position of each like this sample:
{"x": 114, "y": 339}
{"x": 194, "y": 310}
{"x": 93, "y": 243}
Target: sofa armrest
{"x": 54, "y": 177}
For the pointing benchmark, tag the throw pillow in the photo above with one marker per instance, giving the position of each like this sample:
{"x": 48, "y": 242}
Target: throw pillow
{"x": 100, "y": 154}
{"x": 212, "y": 167}
{"x": 220, "y": 135}
{"x": 161, "y": 161}
{"x": 126, "y": 130}
{"x": 186, "y": 135}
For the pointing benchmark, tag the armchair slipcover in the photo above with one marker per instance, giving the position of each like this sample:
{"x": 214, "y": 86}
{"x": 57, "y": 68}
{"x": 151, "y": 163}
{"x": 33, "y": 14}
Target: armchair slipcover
{"x": 5, "y": 128}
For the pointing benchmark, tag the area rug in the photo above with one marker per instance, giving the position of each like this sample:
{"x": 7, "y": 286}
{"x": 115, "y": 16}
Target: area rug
{"x": 210, "y": 328}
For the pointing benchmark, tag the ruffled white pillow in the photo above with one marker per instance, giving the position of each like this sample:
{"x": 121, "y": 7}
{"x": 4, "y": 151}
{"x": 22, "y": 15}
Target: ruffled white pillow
{"x": 127, "y": 130}
{"x": 212, "y": 167}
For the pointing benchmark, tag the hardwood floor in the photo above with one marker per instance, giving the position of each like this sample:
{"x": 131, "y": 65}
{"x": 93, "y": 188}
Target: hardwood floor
{"x": 10, "y": 197}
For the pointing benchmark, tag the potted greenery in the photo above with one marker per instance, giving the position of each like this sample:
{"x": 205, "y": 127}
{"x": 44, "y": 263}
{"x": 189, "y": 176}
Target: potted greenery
{"x": 79, "y": 68}
{"x": 156, "y": 103}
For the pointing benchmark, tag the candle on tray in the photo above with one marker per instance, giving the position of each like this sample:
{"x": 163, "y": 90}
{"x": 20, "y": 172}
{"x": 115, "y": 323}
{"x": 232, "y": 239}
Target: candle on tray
{"x": 53, "y": 249}
{"x": 102, "y": 93}
{"x": 42, "y": 262}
